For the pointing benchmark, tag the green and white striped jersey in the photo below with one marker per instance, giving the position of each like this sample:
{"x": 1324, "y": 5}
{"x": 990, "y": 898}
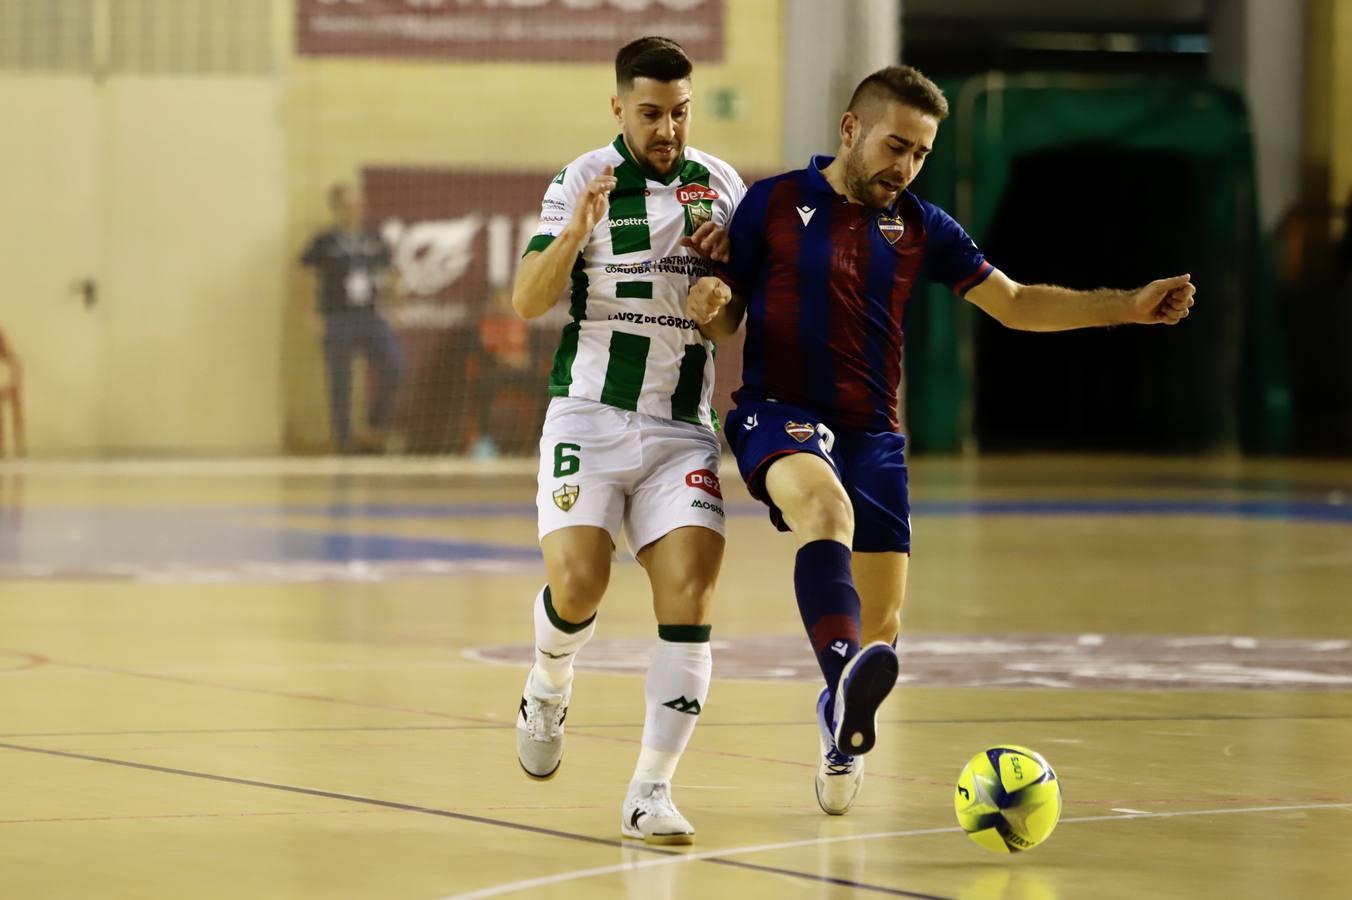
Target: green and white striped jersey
{"x": 630, "y": 343}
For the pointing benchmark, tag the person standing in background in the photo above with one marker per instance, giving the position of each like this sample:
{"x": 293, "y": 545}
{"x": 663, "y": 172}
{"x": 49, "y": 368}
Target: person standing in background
{"x": 353, "y": 266}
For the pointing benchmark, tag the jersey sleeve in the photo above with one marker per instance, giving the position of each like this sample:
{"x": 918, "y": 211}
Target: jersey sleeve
{"x": 736, "y": 189}
{"x": 556, "y": 209}
{"x": 953, "y": 258}
{"x": 746, "y": 234}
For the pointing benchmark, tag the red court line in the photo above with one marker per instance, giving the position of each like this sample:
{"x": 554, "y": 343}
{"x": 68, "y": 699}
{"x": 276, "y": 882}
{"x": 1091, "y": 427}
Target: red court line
{"x": 332, "y": 812}
{"x": 26, "y": 661}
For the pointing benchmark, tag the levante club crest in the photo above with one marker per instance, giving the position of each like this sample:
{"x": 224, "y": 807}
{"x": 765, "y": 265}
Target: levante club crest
{"x": 566, "y": 496}
{"x": 698, "y": 202}
{"x": 892, "y": 228}
{"x": 799, "y": 431}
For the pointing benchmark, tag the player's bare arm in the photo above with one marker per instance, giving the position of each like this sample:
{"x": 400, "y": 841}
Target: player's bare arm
{"x": 544, "y": 274}
{"x": 1045, "y": 307}
{"x": 714, "y": 308}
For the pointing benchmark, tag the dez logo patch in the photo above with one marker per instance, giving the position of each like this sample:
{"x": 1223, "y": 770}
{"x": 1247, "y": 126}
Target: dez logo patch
{"x": 706, "y": 481}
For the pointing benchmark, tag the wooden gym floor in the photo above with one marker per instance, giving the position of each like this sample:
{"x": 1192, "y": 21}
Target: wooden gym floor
{"x": 300, "y": 679}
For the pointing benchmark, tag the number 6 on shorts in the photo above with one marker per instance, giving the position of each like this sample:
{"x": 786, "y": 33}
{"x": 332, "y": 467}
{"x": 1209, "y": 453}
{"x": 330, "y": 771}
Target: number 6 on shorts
{"x": 566, "y": 463}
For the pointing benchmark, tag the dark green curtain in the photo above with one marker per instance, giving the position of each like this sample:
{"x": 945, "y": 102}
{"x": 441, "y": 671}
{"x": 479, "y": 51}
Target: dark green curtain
{"x": 1136, "y": 141}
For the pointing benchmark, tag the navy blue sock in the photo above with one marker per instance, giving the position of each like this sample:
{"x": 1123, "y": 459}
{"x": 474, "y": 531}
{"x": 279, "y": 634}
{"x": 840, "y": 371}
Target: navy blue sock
{"x": 829, "y": 605}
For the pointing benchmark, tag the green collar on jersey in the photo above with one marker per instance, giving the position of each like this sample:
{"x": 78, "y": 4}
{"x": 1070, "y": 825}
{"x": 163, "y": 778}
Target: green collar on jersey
{"x": 682, "y": 164}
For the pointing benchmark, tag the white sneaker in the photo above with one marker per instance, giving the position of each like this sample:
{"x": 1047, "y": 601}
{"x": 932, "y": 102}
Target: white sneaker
{"x": 650, "y": 814}
{"x": 539, "y": 728}
{"x": 864, "y": 684}
{"x": 839, "y": 777}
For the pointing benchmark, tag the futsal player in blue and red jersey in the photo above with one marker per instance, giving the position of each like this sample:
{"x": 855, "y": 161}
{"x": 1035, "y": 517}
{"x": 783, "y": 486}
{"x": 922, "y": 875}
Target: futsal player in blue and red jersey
{"x": 823, "y": 263}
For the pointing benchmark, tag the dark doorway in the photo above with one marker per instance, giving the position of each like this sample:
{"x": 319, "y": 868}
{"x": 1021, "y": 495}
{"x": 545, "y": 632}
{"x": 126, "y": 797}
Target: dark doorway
{"x": 1099, "y": 216}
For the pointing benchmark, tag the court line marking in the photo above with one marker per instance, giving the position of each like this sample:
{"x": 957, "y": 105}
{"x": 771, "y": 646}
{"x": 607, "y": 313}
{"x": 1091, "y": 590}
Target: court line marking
{"x": 448, "y": 814}
{"x": 264, "y": 691}
{"x": 578, "y": 874}
{"x": 501, "y": 726}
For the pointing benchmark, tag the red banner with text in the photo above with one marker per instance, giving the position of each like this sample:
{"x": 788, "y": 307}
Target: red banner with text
{"x": 505, "y": 30}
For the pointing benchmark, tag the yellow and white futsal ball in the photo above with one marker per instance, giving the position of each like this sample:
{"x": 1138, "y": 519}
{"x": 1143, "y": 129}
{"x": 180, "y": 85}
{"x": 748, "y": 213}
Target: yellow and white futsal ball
{"x": 1008, "y": 799}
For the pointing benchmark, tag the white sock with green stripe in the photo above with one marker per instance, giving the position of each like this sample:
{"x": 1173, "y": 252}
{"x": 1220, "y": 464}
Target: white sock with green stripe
{"x": 677, "y": 687}
{"x": 557, "y": 642}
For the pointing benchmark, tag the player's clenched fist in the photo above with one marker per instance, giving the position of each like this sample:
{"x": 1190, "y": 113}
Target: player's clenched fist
{"x": 1164, "y": 302}
{"x": 706, "y": 299}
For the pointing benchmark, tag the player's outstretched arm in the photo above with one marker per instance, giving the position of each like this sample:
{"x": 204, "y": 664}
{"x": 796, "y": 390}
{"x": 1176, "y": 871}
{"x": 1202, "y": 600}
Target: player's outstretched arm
{"x": 714, "y": 308}
{"x": 1045, "y": 307}
{"x": 544, "y": 274}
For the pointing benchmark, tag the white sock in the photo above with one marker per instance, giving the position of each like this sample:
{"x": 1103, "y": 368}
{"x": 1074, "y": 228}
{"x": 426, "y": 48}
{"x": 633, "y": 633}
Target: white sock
{"x": 654, "y": 765}
{"x": 676, "y": 690}
{"x": 557, "y": 642}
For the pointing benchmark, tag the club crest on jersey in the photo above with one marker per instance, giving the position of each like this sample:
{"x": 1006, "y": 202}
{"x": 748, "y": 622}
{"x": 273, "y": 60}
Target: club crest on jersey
{"x": 892, "y": 228}
{"x": 698, "y": 203}
{"x": 799, "y": 431}
{"x": 566, "y": 496}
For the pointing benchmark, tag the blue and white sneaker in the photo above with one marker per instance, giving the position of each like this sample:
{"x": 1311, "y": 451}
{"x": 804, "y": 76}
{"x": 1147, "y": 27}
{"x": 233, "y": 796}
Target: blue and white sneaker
{"x": 839, "y": 777}
{"x": 867, "y": 680}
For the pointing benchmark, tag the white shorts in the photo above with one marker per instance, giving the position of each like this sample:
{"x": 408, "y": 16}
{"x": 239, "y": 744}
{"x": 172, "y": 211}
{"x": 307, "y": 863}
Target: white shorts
{"x": 605, "y": 466}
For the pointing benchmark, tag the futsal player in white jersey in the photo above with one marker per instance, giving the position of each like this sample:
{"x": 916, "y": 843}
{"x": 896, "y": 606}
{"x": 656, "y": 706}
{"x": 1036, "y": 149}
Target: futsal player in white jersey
{"x": 630, "y": 437}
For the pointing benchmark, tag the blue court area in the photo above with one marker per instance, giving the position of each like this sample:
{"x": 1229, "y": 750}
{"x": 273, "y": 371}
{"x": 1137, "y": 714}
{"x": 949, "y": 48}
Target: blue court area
{"x": 70, "y": 538}
{"x": 59, "y": 539}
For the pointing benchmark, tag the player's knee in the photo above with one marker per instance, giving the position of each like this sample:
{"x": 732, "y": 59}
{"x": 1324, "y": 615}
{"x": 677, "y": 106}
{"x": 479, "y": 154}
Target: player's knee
{"x": 689, "y": 603}
{"x": 576, "y": 591}
{"x": 824, "y": 514}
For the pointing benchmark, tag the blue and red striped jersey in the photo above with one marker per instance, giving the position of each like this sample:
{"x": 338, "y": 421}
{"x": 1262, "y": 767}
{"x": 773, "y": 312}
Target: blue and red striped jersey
{"x": 827, "y": 282}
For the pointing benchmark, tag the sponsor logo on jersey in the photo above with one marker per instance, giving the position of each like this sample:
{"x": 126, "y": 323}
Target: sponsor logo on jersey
{"x": 692, "y": 193}
{"x": 799, "y": 431}
{"x": 707, "y": 504}
{"x": 693, "y": 266}
{"x": 566, "y": 496}
{"x": 663, "y": 321}
{"x": 628, "y": 220}
{"x": 891, "y": 227}
{"x": 706, "y": 481}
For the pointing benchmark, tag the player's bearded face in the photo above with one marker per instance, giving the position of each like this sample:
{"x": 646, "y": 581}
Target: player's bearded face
{"x": 654, "y": 116}
{"x": 876, "y": 189}
{"x": 889, "y": 153}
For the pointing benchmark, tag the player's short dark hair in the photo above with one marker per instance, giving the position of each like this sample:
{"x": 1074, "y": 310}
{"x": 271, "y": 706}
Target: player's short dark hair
{"x": 658, "y": 58}
{"x": 903, "y": 84}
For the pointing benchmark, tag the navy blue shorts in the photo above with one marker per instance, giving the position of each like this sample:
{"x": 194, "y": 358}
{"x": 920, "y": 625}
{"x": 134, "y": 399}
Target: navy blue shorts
{"x": 871, "y": 467}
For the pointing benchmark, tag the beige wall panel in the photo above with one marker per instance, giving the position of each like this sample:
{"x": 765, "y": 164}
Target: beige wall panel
{"x": 49, "y": 229}
{"x": 196, "y": 210}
